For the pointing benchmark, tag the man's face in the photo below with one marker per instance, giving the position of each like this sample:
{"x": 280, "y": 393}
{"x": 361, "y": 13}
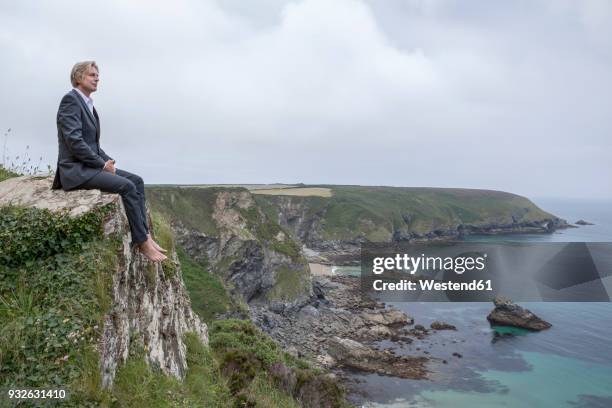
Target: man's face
{"x": 89, "y": 81}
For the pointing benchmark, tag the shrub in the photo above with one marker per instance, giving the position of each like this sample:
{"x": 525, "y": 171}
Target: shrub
{"x": 27, "y": 234}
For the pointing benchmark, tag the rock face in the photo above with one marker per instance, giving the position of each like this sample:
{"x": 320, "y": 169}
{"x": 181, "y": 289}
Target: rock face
{"x": 256, "y": 258}
{"x": 150, "y": 306}
{"x": 338, "y": 328}
{"x": 350, "y": 353}
{"x": 507, "y": 313}
{"x": 583, "y": 222}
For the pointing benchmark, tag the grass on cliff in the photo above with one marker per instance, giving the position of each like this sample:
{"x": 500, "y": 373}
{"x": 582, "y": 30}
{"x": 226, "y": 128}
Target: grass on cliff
{"x": 6, "y": 174}
{"x": 269, "y": 233}
{"x": 375, "y": 212}
{"x": 290, "y": 284}
{"x": 247, "y": 357}
{"x": 205, "y": 384}
{"x": 193, "y": 207}
{"x": 209, "y": 298}
{"x": 54, "y": 291}
{"x": 137, "y": 384}
{"x": 55, "y": 282}
{"x": 241, "y": 352}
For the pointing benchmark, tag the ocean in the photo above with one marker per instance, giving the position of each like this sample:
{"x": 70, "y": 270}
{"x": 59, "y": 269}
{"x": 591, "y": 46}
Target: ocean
{"x": 569, "y": 365}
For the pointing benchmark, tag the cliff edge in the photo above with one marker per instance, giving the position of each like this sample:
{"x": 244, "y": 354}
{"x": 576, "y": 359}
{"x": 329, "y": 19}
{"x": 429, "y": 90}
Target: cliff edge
{"x": 68, "y": 256}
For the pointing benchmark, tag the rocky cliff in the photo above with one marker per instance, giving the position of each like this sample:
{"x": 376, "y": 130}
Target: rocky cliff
{"x": 348, "y": 215}
{"x": 227, "y": 230}
{"x": 145, "y": 305}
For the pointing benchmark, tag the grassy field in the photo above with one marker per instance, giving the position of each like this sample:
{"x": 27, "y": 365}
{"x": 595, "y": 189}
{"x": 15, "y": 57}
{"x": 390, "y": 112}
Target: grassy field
{"x": 300, "y": 191}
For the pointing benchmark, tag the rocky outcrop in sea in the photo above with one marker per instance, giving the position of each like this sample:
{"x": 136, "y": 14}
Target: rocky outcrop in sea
{"x": 507, "y": 313}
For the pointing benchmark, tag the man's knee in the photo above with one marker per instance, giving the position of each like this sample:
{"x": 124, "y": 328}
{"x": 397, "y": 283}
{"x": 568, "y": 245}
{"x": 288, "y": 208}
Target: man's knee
{"x": 127, "y": 187}
{"x": 138, "y": 180}
{"x": 134, "y": 178}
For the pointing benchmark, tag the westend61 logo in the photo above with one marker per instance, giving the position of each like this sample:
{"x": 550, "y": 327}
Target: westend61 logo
{"x": 477, "y": 271}
{"x": 402, "y": 264}
{"x": 412, "y": 264}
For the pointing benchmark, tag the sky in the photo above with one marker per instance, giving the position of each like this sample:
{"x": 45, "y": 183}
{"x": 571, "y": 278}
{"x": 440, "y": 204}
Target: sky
{"x": 504, "y": 95}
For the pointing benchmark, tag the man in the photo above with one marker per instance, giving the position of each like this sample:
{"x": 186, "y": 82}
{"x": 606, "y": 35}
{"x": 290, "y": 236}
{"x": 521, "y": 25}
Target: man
{"x": 82, "y": 164}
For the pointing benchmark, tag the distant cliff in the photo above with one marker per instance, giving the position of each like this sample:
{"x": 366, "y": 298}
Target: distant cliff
{"x": 226, "y": 229}
{"x": 266, "y": 230}
{"x": 348, "y": 215}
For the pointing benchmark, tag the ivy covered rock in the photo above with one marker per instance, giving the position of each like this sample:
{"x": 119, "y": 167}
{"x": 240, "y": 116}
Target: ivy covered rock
{"x": 90, "y": 292}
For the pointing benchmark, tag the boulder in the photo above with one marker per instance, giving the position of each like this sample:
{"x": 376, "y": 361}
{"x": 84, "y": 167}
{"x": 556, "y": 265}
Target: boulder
{"x": 350, "y": 353}
{"x": 506, "y": 313}
{"x": 438, "y": 325}
{"x": 387, "y": 317}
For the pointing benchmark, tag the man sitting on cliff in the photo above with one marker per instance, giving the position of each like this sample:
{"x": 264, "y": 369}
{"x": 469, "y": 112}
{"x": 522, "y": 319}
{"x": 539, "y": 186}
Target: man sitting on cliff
{"x": 82, "y": 164}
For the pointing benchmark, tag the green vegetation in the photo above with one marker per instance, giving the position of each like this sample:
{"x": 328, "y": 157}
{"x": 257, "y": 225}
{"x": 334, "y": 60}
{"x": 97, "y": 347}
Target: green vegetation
{"x": 269, "y": 233}
{"x": 162, "y": 232}
{"x": 29, "y": 234}
{"x": 257, "y": 222}
{"x": 209, "y": 298}
{"x": 287, "y": 247}
{"x": 290, "y": 284}
{"x": 193, "y": 207}
{"x": 247, "y": 358}
{"x": 233, "y": 372}
{"x": 241, "y": 353}
{"x": 54, "y": 291}
{"x": 137, "y": 384}
{"x": 164, "y": 236}
{"x": 224, "y": 264}
{"x": 6, "y": 174}
{"x": 291, "y": 281}
{"x": 375, "y": 212}
{"x": 244, "y": 336}
{"x": 55, "y": 278}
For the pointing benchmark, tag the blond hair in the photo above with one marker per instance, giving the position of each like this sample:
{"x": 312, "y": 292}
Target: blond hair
{"x": 79, "y": 69}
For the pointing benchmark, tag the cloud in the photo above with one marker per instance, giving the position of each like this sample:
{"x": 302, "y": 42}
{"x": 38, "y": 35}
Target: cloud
{"x": 440, "y": 93}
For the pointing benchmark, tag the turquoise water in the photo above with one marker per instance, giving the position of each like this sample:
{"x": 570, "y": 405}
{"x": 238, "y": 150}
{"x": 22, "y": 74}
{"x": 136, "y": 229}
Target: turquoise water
{"x": 552, "y": 381}
{"x": 569, "y": 365}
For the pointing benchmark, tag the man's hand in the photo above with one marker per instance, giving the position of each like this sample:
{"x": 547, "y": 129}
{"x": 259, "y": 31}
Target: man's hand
{"x": 109, "y": 166}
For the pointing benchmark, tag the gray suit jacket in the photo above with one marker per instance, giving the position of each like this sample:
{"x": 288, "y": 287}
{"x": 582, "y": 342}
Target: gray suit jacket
{"x": 78, "y": 135}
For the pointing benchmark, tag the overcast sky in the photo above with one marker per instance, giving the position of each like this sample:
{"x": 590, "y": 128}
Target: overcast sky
{"x": 505, "y": 95}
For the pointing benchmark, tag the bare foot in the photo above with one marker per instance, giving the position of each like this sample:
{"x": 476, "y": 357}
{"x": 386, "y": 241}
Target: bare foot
{"x": 148, "y": 250}
{"x": 155, "y": 244}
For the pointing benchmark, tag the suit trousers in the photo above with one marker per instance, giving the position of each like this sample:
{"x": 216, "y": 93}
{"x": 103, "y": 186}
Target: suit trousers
{"x": 131, "y": 188}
